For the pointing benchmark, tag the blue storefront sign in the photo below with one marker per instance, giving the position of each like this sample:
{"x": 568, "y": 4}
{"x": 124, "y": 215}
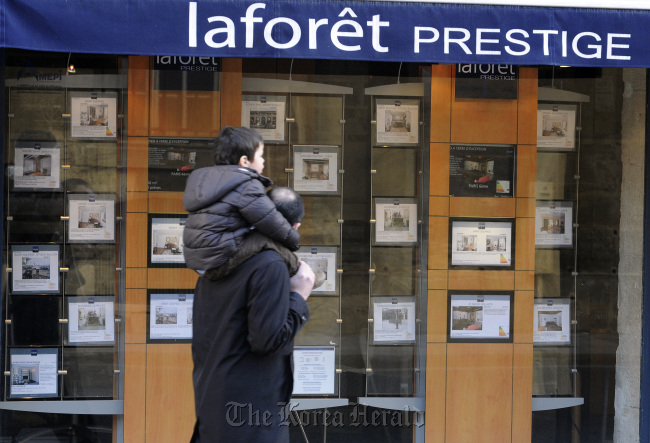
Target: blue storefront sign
{"x": 361, "y": 30}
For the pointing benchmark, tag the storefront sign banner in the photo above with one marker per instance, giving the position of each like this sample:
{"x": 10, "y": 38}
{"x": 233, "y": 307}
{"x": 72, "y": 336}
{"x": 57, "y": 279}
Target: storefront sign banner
{"x": 381, "y": 31}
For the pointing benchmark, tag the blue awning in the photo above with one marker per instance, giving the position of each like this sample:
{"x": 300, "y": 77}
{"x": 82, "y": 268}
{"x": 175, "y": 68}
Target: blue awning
{"x": 346, "y": 30}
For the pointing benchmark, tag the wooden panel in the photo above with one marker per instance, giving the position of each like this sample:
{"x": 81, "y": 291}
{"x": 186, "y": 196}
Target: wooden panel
{"x": 138, "y": 115}
{"x": 437, "y": 279}
{"x": 479, "y": 392}
{"x": 441, "y": 103}
{"x": 438, "y": 242}
{"x": 135, "y": 316}
{"x": 523, "y": 330}
{"x": 137, "y": 163}
{"x": 524, "y": 280}
{"x": 136, "y": 278}
{"x": 166, "y": 202}
{"x": 439, "y": 169}
{"x": 136, "y": 240}
{"x": 526, "y": 170}
{"x": 185, "y": 113}
{"x": 482, "y": 280}
{"x": 522, "y": 393}
{"x": 525, "y": 207}
{"x": 483, "y": 121}
{"x": 135, "y": 360}
{"x": 481, "y": 207}
{"x": 437, "y": 316}
{"x": 170, "y": 393}
{"x": 177, "y": 278}
{"x": 439, "y": 206}
{"x": 527, "y": 129}
{"x": 435, "y": 393}
{"x": 136, "y": 201}
{"x": 525, "y": 244}
{"x": 231, "y": 92}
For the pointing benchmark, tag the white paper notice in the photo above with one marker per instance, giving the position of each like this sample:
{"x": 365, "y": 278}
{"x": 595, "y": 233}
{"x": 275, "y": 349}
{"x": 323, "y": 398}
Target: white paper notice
{"x": 313, "y": 372}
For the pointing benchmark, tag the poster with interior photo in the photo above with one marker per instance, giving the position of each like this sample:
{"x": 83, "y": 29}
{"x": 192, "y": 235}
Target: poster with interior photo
{"x": 33, "y": 372}
{"x": 322, "y": 261}
{"x": 265, "y": 114}
{"x": 172, "y": 160}
{"x": 482, "y": 243}
{"x": 35, "y": 269}
{"x": 393, "y": 320}
{"x": 166, "y": 240}
{"x": 556, "y": 127}
{"x": 93, "y": 115}
{"x": 91, "y": 320}
{"x": 397, "y": 123}
{"x": 482, "y": 170}
{"x": 553, "y": 224}
{"x": 92, "y": 218}
{"x": 552, "y": 321}
{"x": 37, "y": 166}
{"x": 170, "y": 316}
{"x": 480, "y": 316}
{"x": 315, "y": 169}
{"x": 396, "y": 221}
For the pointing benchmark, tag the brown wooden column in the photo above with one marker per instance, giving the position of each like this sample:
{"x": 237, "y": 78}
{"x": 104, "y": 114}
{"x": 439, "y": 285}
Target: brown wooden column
{"x": 480, "y": 391}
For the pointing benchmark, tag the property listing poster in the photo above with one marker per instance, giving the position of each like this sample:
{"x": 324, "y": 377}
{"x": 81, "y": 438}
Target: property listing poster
{"x": 482, "y": 170}
{"x": 265, "y": 115}
{"x": 172, "y": 160}
{"x": 479, "y": 316}
{"x": 314, "y": 370}
{"x": 315, "y": 169}
{"x": 396, "y": 221}
{"x": 93, "y": 115}
{"x": 33, "y": 372}
{"x": 91, "y": 320}
{"x": 92, "y": 218}
{"x": 481, "y": 243}
{"x": 393, "y": 319}
{"x": 552, "y": 321}
{"x": 556, "y": 127}
{"x": 37, "y": 166}
{"x": 322, "y": 261}
{"x": 553, "y": 224}
{"x": 35, "y": 268}
{"x": 166, "y": 240}
{"x": 397, "y": 123}
{"x": 170, "y": 316}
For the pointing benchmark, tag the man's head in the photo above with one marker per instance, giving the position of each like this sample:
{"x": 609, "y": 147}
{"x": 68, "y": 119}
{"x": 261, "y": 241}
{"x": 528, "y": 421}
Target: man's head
{"x": 239, "y": 146}
{"x": 289, "y": 203}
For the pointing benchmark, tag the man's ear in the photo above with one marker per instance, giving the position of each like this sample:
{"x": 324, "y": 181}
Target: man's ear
{"x": 243, "y": 161}
{"x": 296, "y": 226}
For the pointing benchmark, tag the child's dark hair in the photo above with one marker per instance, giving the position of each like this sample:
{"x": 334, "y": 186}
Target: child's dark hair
{"x": 233, "y": 142}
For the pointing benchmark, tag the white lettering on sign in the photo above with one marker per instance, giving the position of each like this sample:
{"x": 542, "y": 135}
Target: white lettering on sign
{"x": 350, "y": 33}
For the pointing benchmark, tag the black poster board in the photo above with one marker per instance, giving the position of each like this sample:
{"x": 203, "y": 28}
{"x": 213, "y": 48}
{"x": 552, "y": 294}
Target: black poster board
{"x": 482, "y": 171}
{"x": 172, "y": 160}
{"x": 487, "y": 81}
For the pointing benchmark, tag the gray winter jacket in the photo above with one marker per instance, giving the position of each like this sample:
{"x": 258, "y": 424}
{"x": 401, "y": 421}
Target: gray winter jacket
{"x": 223, "y": 202}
